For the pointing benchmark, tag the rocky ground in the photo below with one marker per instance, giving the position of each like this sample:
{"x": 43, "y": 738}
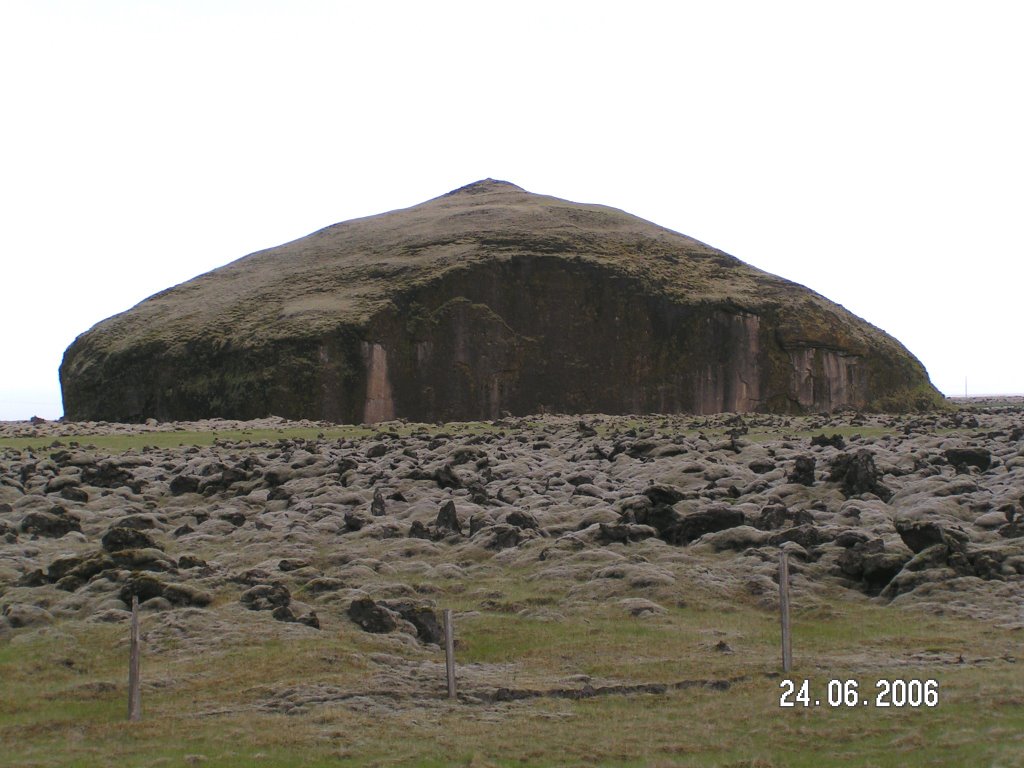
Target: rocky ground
{"x": 300, "y": 535}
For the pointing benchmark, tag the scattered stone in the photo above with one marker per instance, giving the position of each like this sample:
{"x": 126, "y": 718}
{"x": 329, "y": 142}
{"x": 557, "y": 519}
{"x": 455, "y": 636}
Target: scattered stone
{"x": 181, "y": 484}
{"x": 422, "y": 617}
{"x": 836, "y": 441}
{"x": 148, "y": 587}
{"x": 266, "y": 597}
{"x": 806, "y": 536}
{"x": 623, "y": 533}
{"x": 120, "y": 538}
{"x": 377, "y": 507}
{"x": 858, "y": 475}
{"x": 446, "y": 477}
{"x": 520, "y": 519}
{"x": 372, "y": 617}
{"x": 919, "y": 535}
{"x": 54, "y": 524}
{"x": 962, "y": 458}
{"x": 803, "y": 470}
{"x": 664, "y": 495}
{"x": 693, "y": 525}
{"x": 75, "y": 494}
{"x": 19, "y": 615}
{"x": 447, "y": 521}
{"x": 501, "y": 536}
{"x": 950, "y": 540}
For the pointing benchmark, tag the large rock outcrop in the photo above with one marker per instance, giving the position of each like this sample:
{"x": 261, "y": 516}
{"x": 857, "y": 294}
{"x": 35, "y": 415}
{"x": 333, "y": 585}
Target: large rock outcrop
{"x": 485, "y": 300}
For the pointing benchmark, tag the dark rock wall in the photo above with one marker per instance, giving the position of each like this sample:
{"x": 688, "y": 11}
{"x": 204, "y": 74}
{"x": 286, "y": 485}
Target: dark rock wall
{"x": 519, "y": 335}
{"x": 293, "y": 378}
{"x": 525, "y": 335}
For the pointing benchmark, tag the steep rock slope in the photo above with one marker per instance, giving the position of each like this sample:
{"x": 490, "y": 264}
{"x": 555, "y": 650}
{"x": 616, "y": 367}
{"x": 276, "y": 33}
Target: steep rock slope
{"x": 486, "y": 300}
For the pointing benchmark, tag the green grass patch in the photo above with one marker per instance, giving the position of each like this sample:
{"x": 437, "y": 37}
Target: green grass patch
{"x": 64, "y": 694}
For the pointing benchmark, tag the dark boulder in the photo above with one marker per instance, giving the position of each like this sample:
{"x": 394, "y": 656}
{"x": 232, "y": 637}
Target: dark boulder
{"x": 120, "y": 537}
{"x": 850, "y": 537}
{"x": 235, "y": 517}
{"x": 147, "y": 587}
{"x": 354, "y": 521}
{"x": 858, "y": 474}
{"x": 623, "y": 533}
{"x": 803, "y": 470}
{"x": 372, "y": 617}
{"x": 446, "y": 477}
{"x": 761, "y": 466}
{"x": 836, "y": 441}
{"x": 806, "y": 536}
{"x": 870, "y": 564}
{"x": 682, "y": 528}
{"x": 919, "y": 535}
{"x": 378, "y": 506}
{"x": 33, "y": 578}
{"x": 74, "y": 493}
{"x": 522, "y": 519}
{"x": 447, "y": 521}
{"x": 53, "y": 524}
{"x": 67, "y": 564}
{"x": 266, "y": 597}
{"x": 418, "y": 530}
{"x": 962, "y": 458}
{"x": 181, "y": 484}
{"x": 987, "y": 563}
{"x": 422, "y": 617}
{"x": 109, "y": 474}
{"x": 775, "y": 516}
{"x": 693, "y": 525}
{"x": 147, "y": 559}
{"x": 665, "y": 495}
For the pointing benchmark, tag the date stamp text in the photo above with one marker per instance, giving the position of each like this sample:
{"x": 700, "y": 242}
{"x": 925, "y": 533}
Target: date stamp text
{"x": 851, "y": 693}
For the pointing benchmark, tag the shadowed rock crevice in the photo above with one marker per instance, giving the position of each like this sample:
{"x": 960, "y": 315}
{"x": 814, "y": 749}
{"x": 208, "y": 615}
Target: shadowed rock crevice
{"x": 484, "y": 301}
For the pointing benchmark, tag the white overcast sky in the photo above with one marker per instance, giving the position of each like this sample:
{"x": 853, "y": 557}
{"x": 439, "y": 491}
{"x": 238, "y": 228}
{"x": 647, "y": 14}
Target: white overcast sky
{"x": 869, "y": 150}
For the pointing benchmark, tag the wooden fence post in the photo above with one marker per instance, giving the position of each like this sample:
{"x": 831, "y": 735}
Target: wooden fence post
{"x": 787, "y": 638}
{"x": 449, "y": 651}
{"x": 134, "y": 682}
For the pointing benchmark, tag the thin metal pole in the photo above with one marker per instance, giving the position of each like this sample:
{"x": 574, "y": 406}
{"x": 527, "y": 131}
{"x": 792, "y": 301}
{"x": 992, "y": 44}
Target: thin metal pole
{"x": 134, "y": 682}
{"x": 449, "y": 651}
{"x": 787, "y": 638}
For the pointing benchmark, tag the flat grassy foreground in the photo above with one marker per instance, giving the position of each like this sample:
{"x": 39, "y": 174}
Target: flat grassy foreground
{"x": 64, "y": 694}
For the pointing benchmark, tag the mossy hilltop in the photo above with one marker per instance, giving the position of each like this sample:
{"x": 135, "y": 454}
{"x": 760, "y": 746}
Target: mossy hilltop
{"x": 483, "y": 301}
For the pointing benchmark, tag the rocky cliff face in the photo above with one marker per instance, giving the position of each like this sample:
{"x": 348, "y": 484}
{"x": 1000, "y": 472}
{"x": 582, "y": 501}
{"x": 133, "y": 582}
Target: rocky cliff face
{"x": 486, "y": 300}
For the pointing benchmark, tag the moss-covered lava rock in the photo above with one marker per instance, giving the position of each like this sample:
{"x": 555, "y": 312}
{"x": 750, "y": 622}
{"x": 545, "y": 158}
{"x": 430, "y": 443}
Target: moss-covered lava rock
{"x": 486, "y": 300}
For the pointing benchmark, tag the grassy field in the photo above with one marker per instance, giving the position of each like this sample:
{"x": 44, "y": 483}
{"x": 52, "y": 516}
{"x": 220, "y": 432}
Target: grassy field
{"x": 64, "y": 692}
{"x": 120, "y": 442}
{"x": 117, "y": 443}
